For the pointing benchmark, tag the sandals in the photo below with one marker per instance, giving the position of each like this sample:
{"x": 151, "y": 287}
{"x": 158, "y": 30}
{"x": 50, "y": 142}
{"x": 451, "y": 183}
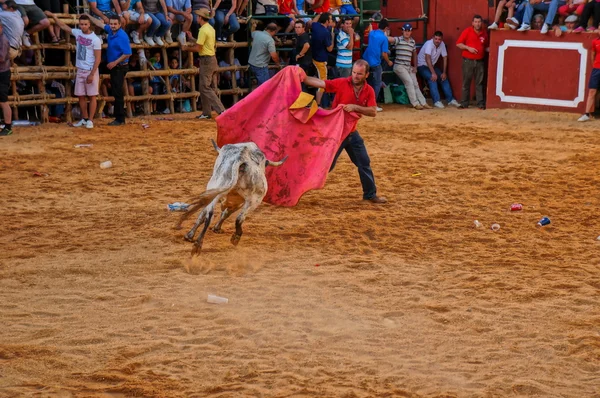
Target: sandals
{"x": 55, "y": 40}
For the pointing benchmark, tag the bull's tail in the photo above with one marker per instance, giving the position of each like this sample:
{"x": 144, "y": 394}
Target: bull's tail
{"x": 199, "y": 202}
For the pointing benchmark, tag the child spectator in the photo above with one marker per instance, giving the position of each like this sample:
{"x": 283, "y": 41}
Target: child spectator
{"x": 134, "y": 85}
{"x": 156, "y": 82}
{"x": 177, "y": 80}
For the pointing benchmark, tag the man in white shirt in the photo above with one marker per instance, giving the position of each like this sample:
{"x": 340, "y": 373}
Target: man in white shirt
{"x": 430, "y": 54}
{"x": 88, "y": 55}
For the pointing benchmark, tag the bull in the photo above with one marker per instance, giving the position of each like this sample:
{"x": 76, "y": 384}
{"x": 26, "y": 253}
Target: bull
{"x": 238, "y": 182}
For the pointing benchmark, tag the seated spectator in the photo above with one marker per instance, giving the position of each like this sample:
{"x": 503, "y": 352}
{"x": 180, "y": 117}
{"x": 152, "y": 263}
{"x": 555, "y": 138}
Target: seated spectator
{"x": 288, "y": 8}
{"x": 319, "y": 7}
{"x": 510, "y": 5}
{"x": 55, "y": 7}
{"x": 242, "y": 8}
{"x": 181, "y": 11}
{"x": 568, "y": 27}
{"x": 200, "y": 5}
{"x": 226, "y": 22}
{"x": 266, "y": 7}
{"x": 135, "y": 12}
{"x": 161, "y": 22}
{"x": 101, "y": 9}
{"x": 591, "y": 8}
{"x": 33, "y": 17}
{"x": 224, "y": 78}
{"x": 405, "y": 66}
{"x": 13, "y": 27}
{"x": 572, "y": 6}
{"x": 427, "y": 59}
{"x": 548, "y": 6}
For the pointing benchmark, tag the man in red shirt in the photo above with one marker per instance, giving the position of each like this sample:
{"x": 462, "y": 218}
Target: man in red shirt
{"x": 594, "y": 83}
{"x": 474, "y": 42}
{"x": 358, "y": 97}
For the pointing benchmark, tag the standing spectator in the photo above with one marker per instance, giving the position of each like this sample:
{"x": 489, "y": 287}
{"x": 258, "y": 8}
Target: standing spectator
{"x": 12, "y": 26}
{"x": 206, "y": 47}
{"x": 405, "y": 66}
{"x": 181, "y": 11}
{"x": 303, "y": 50}
{"x": 322, "y": 43}
{"x": 226, "y": 22}
{"x": 473, "y": 42}
{"x": 118, "y": 52}
{"x": 34, "y": 18}
{"x": 88, "y": 55}
{"x": 510, "y": 5}
{"x": 135, "y": 12}
{"x": 428, "y": 56}
{"x": 594, "y": 83}
{"x": 263, "y": 50}
{"x": 546, "y": 6}
{"x": 161, "y": 22}
{"x": 358, "y": 97}
{"x": 345, "y": 44}
{"x": 5, "y": 82}
{"x": 377, "y": 49}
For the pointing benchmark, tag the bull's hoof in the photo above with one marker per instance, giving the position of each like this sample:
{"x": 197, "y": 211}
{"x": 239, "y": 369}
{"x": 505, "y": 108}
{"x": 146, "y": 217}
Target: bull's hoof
{"x": 189, "y": 237}
{"x": 235, "y": 239}
{"x": 217, "y": 230}
{"x": 196, "y": 250}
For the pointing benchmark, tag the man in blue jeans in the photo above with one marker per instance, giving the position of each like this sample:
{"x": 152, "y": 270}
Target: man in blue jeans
{"x": 263, "y": 49}
{"x": 377, "y": 49}
{"x": 547, "y": 6}
{"x": 429, "y": 55}
{"x": 226, "y": 22}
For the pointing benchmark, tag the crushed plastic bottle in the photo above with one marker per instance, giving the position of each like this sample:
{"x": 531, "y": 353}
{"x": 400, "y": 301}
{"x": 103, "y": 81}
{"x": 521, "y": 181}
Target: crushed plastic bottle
{"x": 106, "y": 165}
{"x": 178, "y": 206}
{"x": 477, "y": 224}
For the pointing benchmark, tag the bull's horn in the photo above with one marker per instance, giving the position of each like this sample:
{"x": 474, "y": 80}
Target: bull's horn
{"x": 275, "y": 164}
{"x": 215, "y": 145}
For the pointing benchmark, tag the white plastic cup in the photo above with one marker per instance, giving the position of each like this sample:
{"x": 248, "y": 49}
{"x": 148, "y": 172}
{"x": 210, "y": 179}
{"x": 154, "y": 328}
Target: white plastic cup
{"x": 495, "y": 227}
{"x": 106, "y": 165}
{"x": 217, "y": 300}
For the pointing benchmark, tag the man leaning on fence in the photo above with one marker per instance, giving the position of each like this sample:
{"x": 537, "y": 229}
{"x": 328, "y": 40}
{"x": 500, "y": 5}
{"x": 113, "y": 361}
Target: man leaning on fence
{"x": 5, "y": 83}
{"x": 87, "y": 55}
{"x": 118, "y": 52}
{"x": 206, "y": 48}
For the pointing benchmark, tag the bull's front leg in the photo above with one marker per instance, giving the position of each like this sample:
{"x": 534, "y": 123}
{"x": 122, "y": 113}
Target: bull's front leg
{"x": 198, "y": 244}
{"x": 224, "y": 215}
{"x": 190, "y": 235}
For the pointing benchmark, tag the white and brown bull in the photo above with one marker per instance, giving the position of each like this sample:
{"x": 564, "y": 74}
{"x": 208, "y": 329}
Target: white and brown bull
{"x": 238, "y": 181}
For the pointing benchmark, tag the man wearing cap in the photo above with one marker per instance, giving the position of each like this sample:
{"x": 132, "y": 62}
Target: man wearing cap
{"x": 473, "y": 42}
{"x": 206, "y": 46}
{"x": 12, "y": 26}
{"x": 568, "y": 27}
{"x": 405, "y": 66}
{"x": 429, "y": 55}
{"x": 5, "y": 83}
{"x": 118, "y": 52}
{"x": 376, "y": 49}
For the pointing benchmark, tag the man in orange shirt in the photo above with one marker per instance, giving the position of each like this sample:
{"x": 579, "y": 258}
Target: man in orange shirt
{"x": 473, "y": 42}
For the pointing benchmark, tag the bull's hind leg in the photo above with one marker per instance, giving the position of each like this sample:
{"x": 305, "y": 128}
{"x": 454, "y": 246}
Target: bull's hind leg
{"x": 249, "y": 205}
{"x": 190, "y": 235}
{"x": 231, "y": 205}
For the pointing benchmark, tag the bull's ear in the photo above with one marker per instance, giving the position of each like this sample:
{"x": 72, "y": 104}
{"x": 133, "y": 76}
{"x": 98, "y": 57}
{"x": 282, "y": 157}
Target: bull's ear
{"x": 215, "y": 146}
{"x": 275, "y": 164}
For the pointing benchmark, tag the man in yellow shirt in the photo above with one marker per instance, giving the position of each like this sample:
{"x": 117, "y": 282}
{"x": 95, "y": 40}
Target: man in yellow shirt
{"x": 206, "y": 46}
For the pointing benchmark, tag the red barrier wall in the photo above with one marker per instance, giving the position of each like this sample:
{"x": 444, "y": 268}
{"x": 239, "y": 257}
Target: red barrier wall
{"x": 543, "y": 72}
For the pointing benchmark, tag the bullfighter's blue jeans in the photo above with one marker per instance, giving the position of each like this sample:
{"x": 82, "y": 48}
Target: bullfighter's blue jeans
{"x": 355, "y": 146}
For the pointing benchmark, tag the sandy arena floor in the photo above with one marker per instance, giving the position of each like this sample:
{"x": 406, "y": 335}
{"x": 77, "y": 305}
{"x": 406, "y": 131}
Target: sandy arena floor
{"x": 332, "y": 298}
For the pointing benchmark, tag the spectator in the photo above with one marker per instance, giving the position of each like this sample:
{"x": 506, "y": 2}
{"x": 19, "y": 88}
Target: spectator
{"x": 594, "y": 83}
{"x": 178, "y": 80}
{"x": 345, "y": 44}
{"x": 118, "y": 52}
{"x": 55, "y": 7}
{"x": 266, "y": 7}
{"x": 181, "y": 11}
{"x": 548, "y": 6}
{"x": 226, "y": 77}
{"x": 591, "y": 8}
{"x": 568, "y": 27}
{"x": 510, "y": 5}
{"x": 199, "y": 5}
{"x": 135, "y": 12}
{"x": 101, "y": 9}
{"x": 34, "y": 18}
{"x": 88, "y": 55}
{"x": 322, "y": 43}
{"x": 161, "y": 22}
{"x": 226, "y": 22}
{"x": 263, "y": 50}
{"x": 134, "y": 86}
{"x": 206, "y": 47}
{"x": 5, "y": 82}
{"x": 376, "y": 49}
{"x": 405, "y": 66}
{"x": 156, "y": 82}
{"x": 320, "y": 7}
{"x": 572, "y": 6}
{"x": 288, "y": 8}
{"x": 538, "y": 21}
{"x": 12, "y": 26}
{"x": 473, "y": 42}
{"x": 350, "y": 7}
{"x": 429, "y": 55}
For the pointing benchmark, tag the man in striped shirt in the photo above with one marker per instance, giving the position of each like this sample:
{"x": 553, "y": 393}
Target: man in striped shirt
{"x": 405, "y": 66}
{"x": 345, "y": 44}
